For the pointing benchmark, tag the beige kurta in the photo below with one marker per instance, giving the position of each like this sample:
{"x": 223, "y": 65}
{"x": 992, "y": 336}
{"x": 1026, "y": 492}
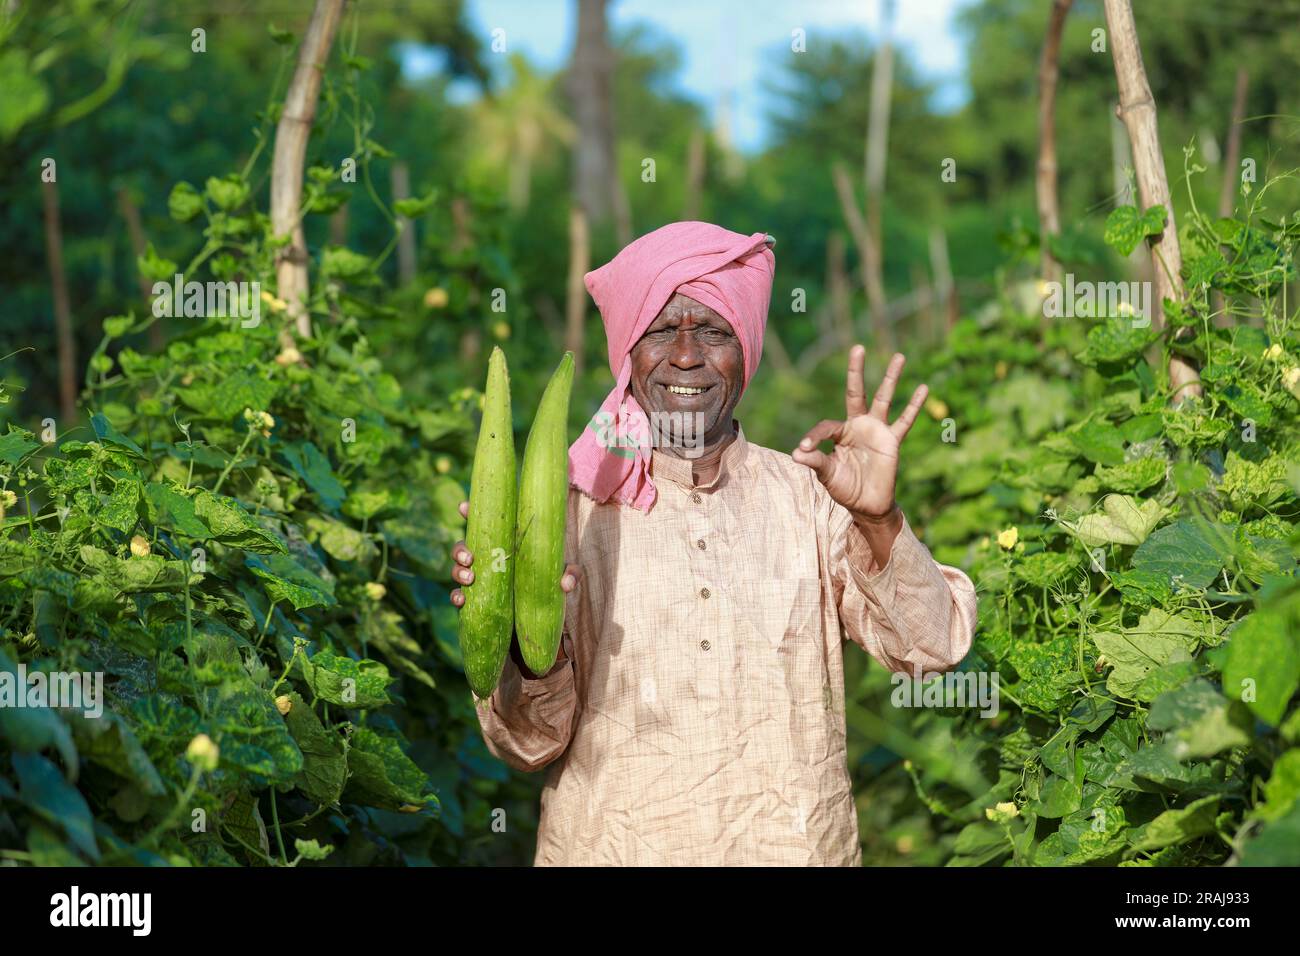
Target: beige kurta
{"x": 696, "y": 713}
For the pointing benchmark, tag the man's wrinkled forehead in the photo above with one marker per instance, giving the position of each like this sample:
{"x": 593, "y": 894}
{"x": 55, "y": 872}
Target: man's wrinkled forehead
{"x": 682, "y": 307}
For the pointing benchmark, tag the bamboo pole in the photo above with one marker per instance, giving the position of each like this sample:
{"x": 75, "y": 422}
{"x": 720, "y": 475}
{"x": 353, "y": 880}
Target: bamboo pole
{"x": 1231, "y": 172}
{"x": 857, "y": 226}
{"x": 1049, "y": 210}
{"x": 874, "y": 163}
{"x": 291, "y": 137}
{"x": 66, "y": 341}
{"x": 1137, "y": 108}
{"x": 135, "y": 232}
{"x": 400, "y": 176}
{"x": 575, "y": 310}
{"x": 694, "y": 176}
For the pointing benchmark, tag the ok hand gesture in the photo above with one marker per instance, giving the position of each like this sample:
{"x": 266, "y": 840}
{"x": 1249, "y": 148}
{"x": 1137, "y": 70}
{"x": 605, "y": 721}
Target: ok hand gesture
{"x": 861, "y": 471}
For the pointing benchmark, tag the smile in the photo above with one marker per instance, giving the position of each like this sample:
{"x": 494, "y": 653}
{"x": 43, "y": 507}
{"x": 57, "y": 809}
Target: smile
{"x": 686, "y": 390}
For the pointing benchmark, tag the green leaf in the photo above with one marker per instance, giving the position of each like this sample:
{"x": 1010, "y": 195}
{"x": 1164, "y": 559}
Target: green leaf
{"x": 16, "y": 445}
{"x": 229, "y": 397}
{"x": 1132, "y": 476}
{"x": 415, "y": 208}
{"x": 324, "y": 765}
{"x": 154, "y": 268}
{"x": 311, "y": 465}
{"x": 1044, "y": 568}
{"x": 1122, "y": 520}
{"x": 30, "y": 729}
{"x": 1118, "y": 339}
{"x": 133, "y": 575}
{"x": 359, "y": 685}
{"x": 230, "y": 524}
{"x": 1199, "y": 721}
{"x": 339, "y": 262}
{"x": 1098, "y": 441}
{"x": 311, "y": 849}
{"x": 381, "y": 774}
{"x": 1177, "y": 826}
{"x": 42, "y": 788}
{"x": 1187, "y": 553}
{"x": 1126, "y": 227}
{"x": 227, "y": 193}
{"x": 170, "y": 509}
{"x": 184, "y": 202}
{"x": 1254, "y": 484}
{"x": 340, "y": 540}
{"x": 287, "y": 580}
{"x": 1133, "y": 653}
{"x": 1278, "y": 844}
{"x": 120, "y": 511}
{"x": 108, "y": 435}
{"x": 1263, "y": 661}
{"x": 1283, "y": 787}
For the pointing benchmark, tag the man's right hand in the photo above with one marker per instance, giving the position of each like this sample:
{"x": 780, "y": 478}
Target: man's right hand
{"x": 462, "y": 572}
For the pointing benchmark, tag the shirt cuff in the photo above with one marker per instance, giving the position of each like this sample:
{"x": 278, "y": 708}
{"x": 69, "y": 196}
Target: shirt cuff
{"x": 882, "y": 583}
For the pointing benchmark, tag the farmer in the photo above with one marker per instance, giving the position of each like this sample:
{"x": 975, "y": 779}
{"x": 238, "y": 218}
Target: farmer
{"x": 695, "y": 713}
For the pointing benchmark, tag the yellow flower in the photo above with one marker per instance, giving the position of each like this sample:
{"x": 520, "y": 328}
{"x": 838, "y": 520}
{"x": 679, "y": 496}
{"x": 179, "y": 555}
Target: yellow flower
{"x": 1000, "y": 370}
{"x": 290, "y": 356}
{"x": 284, "y": 704}
{"x": 275, "y": 305}
{"x": 8, "y": 499}
{"x": 436, "y": 298}
{"x": 375, "y": 591}
{"x": 501, "y": 330}
{"x": 1273, "y": 352}
{"x": 1007, "y": 539}
{"x": 443, "y": 464}
{"x": 984, "y": 542}
{"x": 1002, "y": 813}
{"x": 203, "y": 753}
{"x": 1291, "y": 379}
{"x": 937, "y": 409}
{"x": 140, "y": 546}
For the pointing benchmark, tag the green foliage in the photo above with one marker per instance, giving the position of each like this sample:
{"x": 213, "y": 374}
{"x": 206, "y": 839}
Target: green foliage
{"x": 1145, "y": 622}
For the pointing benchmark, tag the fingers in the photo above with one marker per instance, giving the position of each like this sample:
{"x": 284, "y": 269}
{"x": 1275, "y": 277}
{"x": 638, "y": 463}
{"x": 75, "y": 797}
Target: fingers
{"x": 808, "y": 454}
{"x": 885, "y": 393}
{"x": 903, "y": 424}
{"x": 855, "y": 388}
{"x": 457, "y": 598}
{"x": 460, "y": 572}
{"x": 825, "y": 430}
{"x": 569, "y": 580}
{"x": 464, "y": 509}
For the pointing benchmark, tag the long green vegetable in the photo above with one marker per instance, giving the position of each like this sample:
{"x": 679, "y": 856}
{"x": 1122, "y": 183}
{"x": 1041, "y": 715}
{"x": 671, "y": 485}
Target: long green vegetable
{"x": 487, "y": 619}
{"x": 543, "y": 506}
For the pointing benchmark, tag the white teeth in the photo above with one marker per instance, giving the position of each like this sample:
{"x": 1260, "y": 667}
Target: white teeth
{"x": 683, "y": 390}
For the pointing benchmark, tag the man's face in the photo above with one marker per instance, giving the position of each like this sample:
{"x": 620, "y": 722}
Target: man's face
{"x": 688, "y": 363}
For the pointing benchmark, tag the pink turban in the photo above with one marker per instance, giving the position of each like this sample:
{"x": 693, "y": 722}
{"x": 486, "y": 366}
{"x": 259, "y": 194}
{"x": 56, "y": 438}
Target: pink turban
{"x": 726, "y": 271}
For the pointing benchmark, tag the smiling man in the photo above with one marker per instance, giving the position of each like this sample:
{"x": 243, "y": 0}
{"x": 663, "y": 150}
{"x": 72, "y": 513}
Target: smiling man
{"x": 695, "y": 714}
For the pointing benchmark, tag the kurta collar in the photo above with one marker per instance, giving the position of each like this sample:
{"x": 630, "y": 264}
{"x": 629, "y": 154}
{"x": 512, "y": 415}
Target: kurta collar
{"x": 680, "y": 470}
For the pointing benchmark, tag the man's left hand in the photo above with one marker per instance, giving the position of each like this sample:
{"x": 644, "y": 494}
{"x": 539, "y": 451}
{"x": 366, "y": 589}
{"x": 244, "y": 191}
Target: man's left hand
{"x": 861, "y": 471}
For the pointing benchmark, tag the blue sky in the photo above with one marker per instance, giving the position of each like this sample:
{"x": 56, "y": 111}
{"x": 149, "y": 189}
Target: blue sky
{"x": 726, "y": 44}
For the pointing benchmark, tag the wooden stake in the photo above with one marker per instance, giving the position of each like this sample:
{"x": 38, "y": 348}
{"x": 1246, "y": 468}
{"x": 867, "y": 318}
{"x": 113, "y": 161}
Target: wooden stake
{"x": 66, "y": 341}
{"x": 291, "y": 137}
{"x": 1137, "y": 108}
{"x": 1049, "y": 212}
{"x": 575, "y": 309}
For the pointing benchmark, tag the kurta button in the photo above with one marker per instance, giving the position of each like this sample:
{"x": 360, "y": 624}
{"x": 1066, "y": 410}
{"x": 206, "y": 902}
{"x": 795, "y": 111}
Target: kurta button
{"x": 700, "y": 544}
{"x": 695, "y": 497}
{"x": 705, "y": 645}
{"x": 704, "y": 593}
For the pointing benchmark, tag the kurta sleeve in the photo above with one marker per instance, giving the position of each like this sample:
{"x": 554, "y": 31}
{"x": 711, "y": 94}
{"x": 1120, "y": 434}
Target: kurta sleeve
{"x": 529, "y": 723}
{"x": 913, "y": 615}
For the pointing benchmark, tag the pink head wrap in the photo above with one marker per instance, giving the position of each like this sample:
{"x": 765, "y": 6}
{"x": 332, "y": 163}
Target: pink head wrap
{"x": 726, "y": 271}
